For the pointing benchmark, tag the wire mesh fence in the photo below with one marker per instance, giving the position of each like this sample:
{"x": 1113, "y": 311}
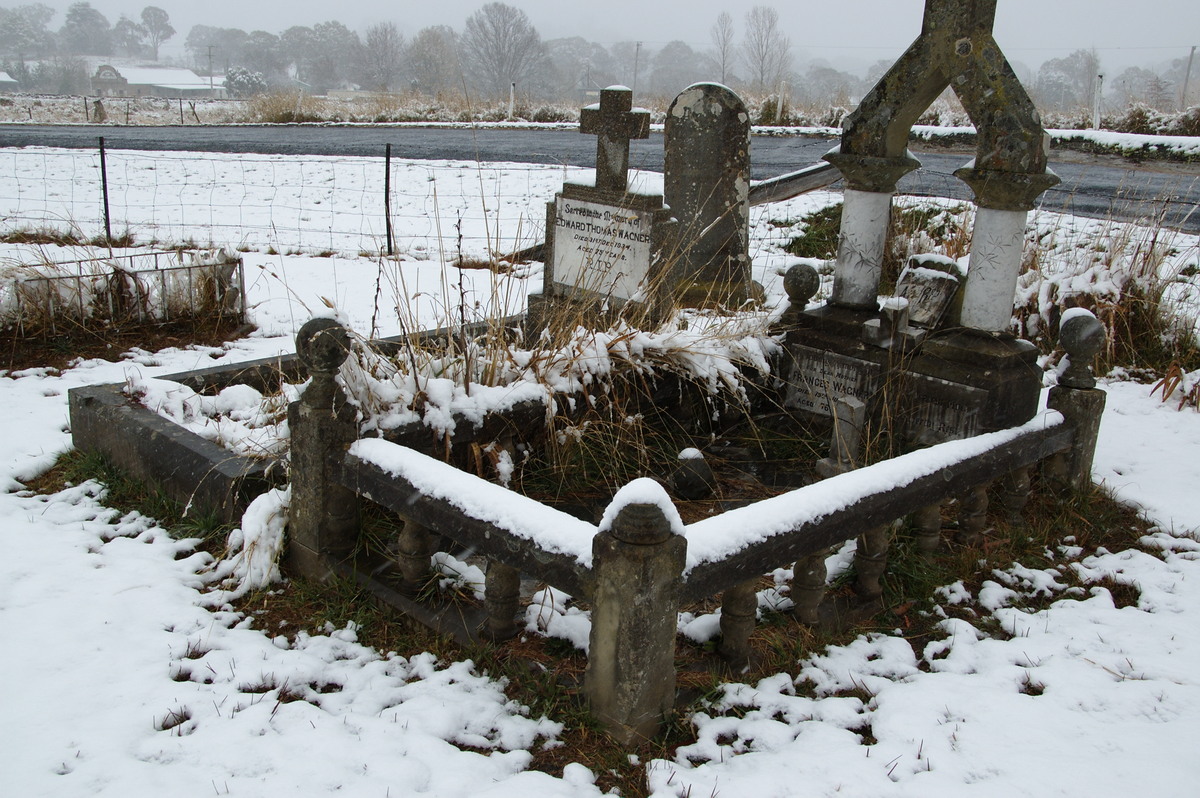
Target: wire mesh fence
{"x": 341, "y": 205}
{"x": 309, "y": 204}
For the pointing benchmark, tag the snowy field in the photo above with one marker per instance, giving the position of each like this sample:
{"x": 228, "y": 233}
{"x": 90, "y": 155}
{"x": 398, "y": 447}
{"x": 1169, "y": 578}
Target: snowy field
{"x": 123, "y": 677}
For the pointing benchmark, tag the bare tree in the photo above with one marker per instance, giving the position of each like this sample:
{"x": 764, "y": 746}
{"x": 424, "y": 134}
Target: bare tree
{"x": 432, "y": 59}
{"x": 500, "y": 46}
{"x": 724, "y": 52}
{"x": 766, "y": 51}
{"x": 1068, "y": 83}
{"x": 382, "y": 56}
{"x": 157, "y": 26}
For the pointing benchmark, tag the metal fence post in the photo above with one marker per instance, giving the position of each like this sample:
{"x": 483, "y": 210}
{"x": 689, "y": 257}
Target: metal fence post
{"x": 104, "y": 191}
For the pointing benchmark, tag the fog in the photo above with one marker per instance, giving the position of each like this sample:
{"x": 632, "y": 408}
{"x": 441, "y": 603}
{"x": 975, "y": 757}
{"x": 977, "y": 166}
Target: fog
{"x": 849, "y": 35}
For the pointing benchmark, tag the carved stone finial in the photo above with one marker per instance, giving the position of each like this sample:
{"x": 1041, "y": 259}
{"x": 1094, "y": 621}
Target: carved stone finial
{"x": 1082, "y": 336}
{"x": 801, "y": 282}
{"x": 642, "y": 524}
{"x": 322, "y": 345}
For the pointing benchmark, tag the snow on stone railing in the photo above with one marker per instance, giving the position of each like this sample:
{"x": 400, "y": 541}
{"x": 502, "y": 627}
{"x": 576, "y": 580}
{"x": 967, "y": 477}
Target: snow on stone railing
{"x": 642, "y": 563}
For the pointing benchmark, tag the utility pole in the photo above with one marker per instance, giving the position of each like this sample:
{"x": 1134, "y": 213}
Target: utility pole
{"x": 211, "y": 91}
{"x": 1187, "y": 78}
{"x": 637, "y": 53}
{"x": 1097, "y": 100}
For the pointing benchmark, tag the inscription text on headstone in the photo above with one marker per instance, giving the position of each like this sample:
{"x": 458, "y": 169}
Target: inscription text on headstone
{"x": 601, "y": 248}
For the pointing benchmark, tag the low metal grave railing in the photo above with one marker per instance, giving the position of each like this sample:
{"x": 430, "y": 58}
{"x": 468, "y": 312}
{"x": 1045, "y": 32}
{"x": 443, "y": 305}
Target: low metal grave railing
{"x": 121, "y": 290}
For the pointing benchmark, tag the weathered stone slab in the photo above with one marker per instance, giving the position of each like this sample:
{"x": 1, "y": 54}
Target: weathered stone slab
{"x": 938, "y": 410}
{"x": 819, "y": 378}
{"x": 601, "y": 248}
{"x": 930, "y": 284}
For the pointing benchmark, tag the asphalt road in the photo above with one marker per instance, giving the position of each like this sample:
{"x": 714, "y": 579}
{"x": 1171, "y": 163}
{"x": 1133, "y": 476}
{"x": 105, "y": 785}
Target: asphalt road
{"x": 1091, "y": 186}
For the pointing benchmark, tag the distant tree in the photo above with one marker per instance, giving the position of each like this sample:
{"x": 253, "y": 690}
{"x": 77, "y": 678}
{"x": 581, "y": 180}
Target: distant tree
{"x": 576, "y": 64}
{"x": 24, "y": 31}
{"x": 223, "y": 48}
{"x": 241, "y": 82}
{"x": 1068, "y": 83}
{"x": 432, "y": 60}
{"x": 335, "y": 50}
{"x": 85, "y": 31}
{"x": 500, "y": 46}
{"x": 299, "y": 44}
{"x": 675, "y": 67}
{"x": 766, "y": 51}
{"x": 1130, "y": 87}
{"x": 876, "y": 71}
{"x": 158, "y": 28}
{"x": 724, "y": 51}
{"x": 264, "y": 54}
{"x": 382, "y": 59}
{"x": 630, "y": 59}
{"x": 828, "y": 86}
{"x": 128, "y": 37}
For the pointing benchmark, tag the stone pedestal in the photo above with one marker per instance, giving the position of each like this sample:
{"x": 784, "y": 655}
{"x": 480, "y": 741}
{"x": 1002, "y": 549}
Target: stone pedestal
{"x": 607, "y": 248}
{"x": 637, "y": 568}
{"x": 953, "y": 385}
{"x": 322, "y": 515}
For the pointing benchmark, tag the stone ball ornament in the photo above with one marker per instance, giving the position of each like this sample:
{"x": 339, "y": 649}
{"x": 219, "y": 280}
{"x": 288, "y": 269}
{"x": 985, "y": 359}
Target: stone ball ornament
{"x": 801, "y": 283}
{"x": 322, "y": 345}
{"x": 1083, "y": 336}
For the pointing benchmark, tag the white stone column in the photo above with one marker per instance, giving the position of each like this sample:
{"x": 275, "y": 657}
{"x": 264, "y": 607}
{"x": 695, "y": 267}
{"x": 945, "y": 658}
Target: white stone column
{"x": 865, "y": 219}
{"x": 992, "y": 271}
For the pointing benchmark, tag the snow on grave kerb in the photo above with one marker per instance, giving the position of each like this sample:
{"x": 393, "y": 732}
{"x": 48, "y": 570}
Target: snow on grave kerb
{"x": 526, "y": 518}
{"x": 715, "y": 539}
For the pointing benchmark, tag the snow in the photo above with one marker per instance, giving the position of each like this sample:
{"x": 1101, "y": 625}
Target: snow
{"x": 128, "y": 675}
{"x": 521, "y": 516}
{"x": 714, "y": 539}
{"x": 643, "y": 491}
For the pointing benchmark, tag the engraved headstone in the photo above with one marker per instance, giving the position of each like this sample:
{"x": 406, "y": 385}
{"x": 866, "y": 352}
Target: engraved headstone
{"x": 605, "y": 239}
{"x": 930, "y": 284}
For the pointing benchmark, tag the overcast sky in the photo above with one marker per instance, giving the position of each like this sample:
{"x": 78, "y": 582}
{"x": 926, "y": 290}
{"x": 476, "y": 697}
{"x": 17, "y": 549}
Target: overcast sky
{"x": 846, "y": 31}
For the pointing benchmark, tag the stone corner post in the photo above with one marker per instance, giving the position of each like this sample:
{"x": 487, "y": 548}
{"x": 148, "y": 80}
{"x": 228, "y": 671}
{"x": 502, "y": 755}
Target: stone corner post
{"x": 323, "y": 516}
{"x": 636, "y": 586}
{"x": 1077, "y": 397}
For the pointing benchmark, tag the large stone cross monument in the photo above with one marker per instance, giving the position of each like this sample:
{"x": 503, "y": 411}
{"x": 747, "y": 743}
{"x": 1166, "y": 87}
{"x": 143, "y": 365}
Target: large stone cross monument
{"x": 955, "y": 49}
{"x": 967, "y": 373}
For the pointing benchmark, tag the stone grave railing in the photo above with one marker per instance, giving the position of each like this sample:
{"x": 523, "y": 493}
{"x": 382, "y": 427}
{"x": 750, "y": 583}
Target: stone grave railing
{"x": 637, "y": 569}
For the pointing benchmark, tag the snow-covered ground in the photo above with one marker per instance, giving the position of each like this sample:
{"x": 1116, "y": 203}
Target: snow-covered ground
{"x": 122, "y": 676}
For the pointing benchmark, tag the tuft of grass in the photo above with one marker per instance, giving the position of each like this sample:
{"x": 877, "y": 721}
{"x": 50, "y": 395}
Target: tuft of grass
{"x": 127, "y": 495}
{"x": 820, "y": 236}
